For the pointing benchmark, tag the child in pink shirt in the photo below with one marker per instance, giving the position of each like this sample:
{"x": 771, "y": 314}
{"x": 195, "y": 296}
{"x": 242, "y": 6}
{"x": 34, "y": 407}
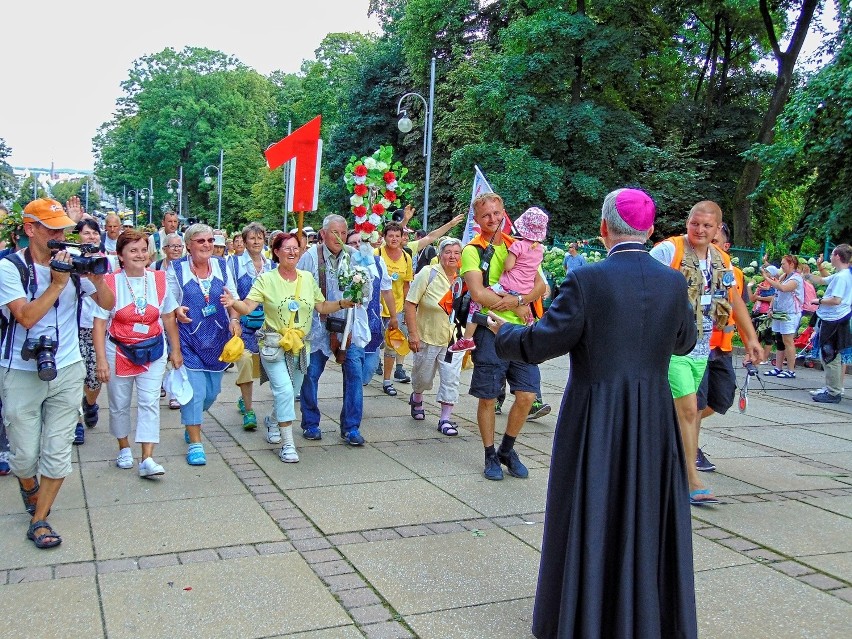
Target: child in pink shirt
{"x": 519, "y": 269}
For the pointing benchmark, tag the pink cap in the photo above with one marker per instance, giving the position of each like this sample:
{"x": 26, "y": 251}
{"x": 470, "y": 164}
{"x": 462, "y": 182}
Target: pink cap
{"x": 636, "y": 208}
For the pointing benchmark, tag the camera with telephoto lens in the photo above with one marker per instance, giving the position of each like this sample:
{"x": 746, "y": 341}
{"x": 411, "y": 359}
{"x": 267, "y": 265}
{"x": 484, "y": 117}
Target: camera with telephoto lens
{"x": 43, "y": 350}
{"x": 398, "y": 215}
{"x": 83, "y": 264}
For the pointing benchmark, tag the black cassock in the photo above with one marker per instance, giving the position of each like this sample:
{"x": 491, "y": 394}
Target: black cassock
{"x": 617, "y": 553}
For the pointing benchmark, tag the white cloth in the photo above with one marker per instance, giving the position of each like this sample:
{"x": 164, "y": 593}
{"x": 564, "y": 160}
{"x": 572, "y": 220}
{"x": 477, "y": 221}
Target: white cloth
{"x": 120, "y": 391}
{"x": 839, "y": 285}
{"x": 63, "y": 317}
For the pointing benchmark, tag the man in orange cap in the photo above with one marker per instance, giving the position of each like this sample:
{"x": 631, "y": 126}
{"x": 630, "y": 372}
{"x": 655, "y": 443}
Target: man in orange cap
{"x": 41, "y": 369}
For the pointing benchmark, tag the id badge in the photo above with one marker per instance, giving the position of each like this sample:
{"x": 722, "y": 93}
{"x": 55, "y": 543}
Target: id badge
{"x": 706, "y": 299}
{"x": 210, "y": 309}
{"x": 141, "y": 328}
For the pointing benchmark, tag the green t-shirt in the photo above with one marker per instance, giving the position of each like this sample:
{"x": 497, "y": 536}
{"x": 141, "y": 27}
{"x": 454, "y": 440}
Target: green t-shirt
{"x": 276, "y": 293}
{"x": 470, "y": 262}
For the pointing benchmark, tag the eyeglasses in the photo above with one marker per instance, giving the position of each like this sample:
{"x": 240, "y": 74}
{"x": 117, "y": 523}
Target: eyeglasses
{"x": 208, "y": 240}
{"x": 174, "y": 245}
{"x": 288, "y": 249}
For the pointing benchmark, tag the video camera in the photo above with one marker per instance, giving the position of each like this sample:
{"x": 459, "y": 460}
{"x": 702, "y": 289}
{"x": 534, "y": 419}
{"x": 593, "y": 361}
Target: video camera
{"x": 83, "y": 264}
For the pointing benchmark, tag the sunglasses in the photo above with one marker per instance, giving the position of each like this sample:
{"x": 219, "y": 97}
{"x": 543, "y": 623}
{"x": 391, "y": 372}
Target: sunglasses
{"x": 208, "y": 240}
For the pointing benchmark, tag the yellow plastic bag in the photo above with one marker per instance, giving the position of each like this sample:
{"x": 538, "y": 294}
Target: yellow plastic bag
{"x": 395, "y": 339}
{"x": 234, "y": 347}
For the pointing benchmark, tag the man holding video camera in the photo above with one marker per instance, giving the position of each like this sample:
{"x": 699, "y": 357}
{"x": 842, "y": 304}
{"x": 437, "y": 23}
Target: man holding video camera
{"x": 41, "y": 369}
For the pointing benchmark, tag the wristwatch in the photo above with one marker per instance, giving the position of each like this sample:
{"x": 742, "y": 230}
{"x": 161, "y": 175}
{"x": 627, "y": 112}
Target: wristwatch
{"x": 520, "y": 300}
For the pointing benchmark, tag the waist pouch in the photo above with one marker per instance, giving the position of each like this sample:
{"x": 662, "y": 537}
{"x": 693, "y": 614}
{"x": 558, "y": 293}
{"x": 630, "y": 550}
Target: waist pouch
{"x": 141, "y": 353}
{"x": 253, "y": 320}
{"x": 335, "y": 324}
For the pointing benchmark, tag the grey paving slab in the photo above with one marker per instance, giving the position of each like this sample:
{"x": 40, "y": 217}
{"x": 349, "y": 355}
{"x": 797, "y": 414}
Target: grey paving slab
{"x": 759, "y": 602}
{"x": 841, "y": 460}
{"x": 16, "y": 551}
{"x": 541, "y": 441}
{"x": 70, "y": 495}
{"x": 496, "y": 498}
{"x": 779, "y": 474}
{"x": 530, "y": 532}
{"x": 384, "y": 504}
{"x": 426, "y": 574}
{"x": 332, "y": 466}
{"x": 507, "y": 618}
{"x": 176, "y": 526}
{"x": 722, "y": 448}
{"x": 837, "y": 564}
{"x": 343, "y": 632}
{"x": 248, "y": 597}
{"x": 842, "y": 429}
{"x": 108, "y": 485}
{"x": 735, "y": 419}
{"x": 839, "y": 505}
{"x": 789, "y": 527}
{"x": 441, "y": 458}
{"x": 723, "y": 485}
{"x": 801, "y": 441}
{"x": 31, "y": 610}
{"x": 709, "y": 555}
{"x": 764, "y": 408}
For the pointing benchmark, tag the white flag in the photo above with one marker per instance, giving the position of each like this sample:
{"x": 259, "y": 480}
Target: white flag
{"x": 480, "y": 186}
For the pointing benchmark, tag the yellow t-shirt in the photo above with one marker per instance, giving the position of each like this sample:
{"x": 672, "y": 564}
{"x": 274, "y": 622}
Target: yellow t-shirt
{"x": 433, "y": 323}
{"x": 276, "y": 293}
{"x": 470, "y": 262}
{"x": 400, "y": 271}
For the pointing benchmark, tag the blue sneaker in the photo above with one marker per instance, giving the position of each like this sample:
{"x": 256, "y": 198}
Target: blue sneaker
{"x": 492, "y": 468}
{"x": 5, "y": 469}
{"x": 195, "y": 455}
{"x": 313, "y": 433}
{"x": 241, "y": 406}
{"x": 353, "y": 437}
{"x": 513, "y": 464}
{"x": 186, "y": 435}
{"x": 79, "y": 435}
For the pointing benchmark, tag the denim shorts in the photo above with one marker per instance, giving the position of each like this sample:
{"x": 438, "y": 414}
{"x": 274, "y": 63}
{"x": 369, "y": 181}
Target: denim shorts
{"x": 490, "y": 373}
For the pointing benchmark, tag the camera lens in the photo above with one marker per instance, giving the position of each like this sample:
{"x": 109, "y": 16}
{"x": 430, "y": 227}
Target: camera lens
{"x": 46, "y": 366}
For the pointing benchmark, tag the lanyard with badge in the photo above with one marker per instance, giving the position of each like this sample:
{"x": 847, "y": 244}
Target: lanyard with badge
{"x": 140, "y": 302}
{"x": 204, "y": 284}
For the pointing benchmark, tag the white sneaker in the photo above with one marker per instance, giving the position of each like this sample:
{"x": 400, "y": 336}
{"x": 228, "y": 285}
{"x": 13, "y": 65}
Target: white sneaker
{"x": 149, "y": 468}
{"x": 273, "y": 432}
{"x": 124, "y": 459}
{"x": 288, "y": 453}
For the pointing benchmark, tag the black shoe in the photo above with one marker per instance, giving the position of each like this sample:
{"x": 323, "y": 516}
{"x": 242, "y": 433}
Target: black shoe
{"x": 538, "y": 409}
{"x": 703, "y": 464}
{"x": 511, "y": 461}
{"x": 498, "y": 408}
{"x": 90, "y": 414}
{"x": 79, "y": 435}
{"x": 492, "y": 468}
{"x": 827, "y": 398}
{"x": 399, "y": 375}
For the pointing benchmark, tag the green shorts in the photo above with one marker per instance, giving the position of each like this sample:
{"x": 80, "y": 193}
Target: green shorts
{"x": 685, "y": 374}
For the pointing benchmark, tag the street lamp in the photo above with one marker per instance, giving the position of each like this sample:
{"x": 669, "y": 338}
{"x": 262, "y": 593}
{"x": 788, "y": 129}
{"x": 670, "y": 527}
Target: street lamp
{"x": 145, "y": 193}
{"x": 209, "y": 180}
{"x": 405, "y": 125}
{"x": 178, "y": 188}
{"x": 135, "y": 193}
{"x": 86, "y": 189}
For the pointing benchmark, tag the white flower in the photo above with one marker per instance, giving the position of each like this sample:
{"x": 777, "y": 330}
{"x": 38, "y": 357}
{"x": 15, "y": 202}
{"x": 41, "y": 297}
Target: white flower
{"x": 385, "y": 203}
{"x": 753, "y": 264}
{"x": 735, "y": 260}
{"x": 356, "y": 200}
{"x": 812, "y": 261}
{"x": 375, "y": 220}
{"x": 382, "y": 166}
{"x": 359, "y": 179}
{"x": 357, "y": 278}
{"x": 374, "y": 237}
{"x": 391, "y": 186}
{"x": 360, "y": 219}
{"x": 370, "y": 163}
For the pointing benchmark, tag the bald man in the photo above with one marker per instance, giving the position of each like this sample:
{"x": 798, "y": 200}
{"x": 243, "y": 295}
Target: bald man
{"x": 112, "y": 225}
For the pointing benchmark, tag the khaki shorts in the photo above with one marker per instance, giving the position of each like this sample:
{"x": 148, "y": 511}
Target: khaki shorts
{"x": 248, "y": 367}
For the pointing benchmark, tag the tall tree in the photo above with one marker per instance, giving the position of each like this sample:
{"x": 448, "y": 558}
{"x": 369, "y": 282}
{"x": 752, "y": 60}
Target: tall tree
{"x": 786, "y": 62}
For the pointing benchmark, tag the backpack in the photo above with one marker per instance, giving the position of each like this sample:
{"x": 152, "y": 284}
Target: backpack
{"x": 811, "y": 299}
{"x": 461, "y": 302}
{"x": 424, "y": 258}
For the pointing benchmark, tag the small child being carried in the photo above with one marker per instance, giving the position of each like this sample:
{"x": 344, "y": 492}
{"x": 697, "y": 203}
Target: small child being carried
{"x": 519, "y": 269}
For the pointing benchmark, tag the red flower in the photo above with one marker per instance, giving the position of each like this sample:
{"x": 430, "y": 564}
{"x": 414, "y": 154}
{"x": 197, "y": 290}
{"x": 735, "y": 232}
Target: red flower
{"x": 361, "y": 189}
{"x": 389, "y": 177}
{"x": 378, "y": 209}
{"x": 390, "y": 196}
{"x": 360, "y": 170}
{"x": 360, "y": 210}
{"x": 367, "y": 227}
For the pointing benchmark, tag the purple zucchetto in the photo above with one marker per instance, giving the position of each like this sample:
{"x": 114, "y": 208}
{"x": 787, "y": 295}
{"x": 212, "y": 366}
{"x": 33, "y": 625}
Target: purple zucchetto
{"x": 636, "y": 208}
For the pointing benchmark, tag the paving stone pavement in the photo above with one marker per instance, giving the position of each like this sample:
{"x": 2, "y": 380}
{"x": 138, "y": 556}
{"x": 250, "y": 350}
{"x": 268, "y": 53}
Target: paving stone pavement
{"x": 404, "y": 537}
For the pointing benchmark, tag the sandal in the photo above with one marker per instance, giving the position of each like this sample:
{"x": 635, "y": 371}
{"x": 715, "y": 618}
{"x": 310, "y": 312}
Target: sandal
{"x": 174, "y": 404}
{"x": 90, "y": 413}
{"x": 709, "y": 499}
{"x": 388, "y": 389}
{"x": 27, "y": 495}
{"x": 417, "y": 411}
{"x": 448, "y": 428}
{"x": 39, "y": 540}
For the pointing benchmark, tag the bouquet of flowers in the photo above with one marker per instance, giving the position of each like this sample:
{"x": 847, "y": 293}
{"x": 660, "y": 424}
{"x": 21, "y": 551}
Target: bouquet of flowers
{"x": 12, "y": 226}
{"x": 351, "y": 279}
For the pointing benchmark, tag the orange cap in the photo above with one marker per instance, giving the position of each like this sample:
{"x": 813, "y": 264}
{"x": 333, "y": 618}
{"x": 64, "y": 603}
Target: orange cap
{"x": 49, "y": 212}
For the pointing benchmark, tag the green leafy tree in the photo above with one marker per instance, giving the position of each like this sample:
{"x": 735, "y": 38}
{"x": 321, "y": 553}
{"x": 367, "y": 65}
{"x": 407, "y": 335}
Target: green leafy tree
{"x": 7, "y": 176}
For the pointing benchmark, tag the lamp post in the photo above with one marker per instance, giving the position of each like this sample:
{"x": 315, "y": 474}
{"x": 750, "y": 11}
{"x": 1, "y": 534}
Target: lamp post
{"x": 177, "y": 188}
{"x": 145, "y": 193}
{"x": 135, "y": 193}
{"x": 209, "y": 180}
{"x": 86, "y": 190}
{"x": 151, "y": 201}
{"x": 405, "y": 125}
